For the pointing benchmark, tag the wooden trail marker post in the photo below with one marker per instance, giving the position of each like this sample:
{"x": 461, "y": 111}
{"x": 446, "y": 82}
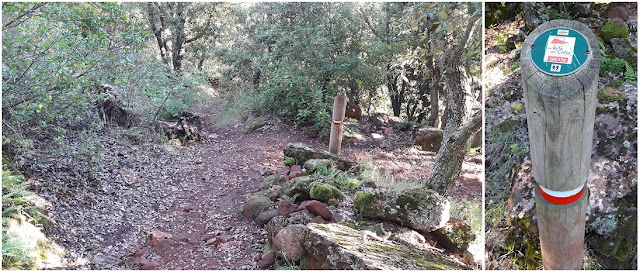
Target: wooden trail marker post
{"x": 339, "y": 109}
{"x": 560, "y": 63}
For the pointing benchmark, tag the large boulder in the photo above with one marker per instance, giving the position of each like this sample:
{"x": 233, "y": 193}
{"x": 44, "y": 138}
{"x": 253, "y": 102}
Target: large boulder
{"x": 430, "y": 139}
{"x": 420, "y": 209}
{"x": 336, "y": 246}
{"x": 302, "y": 153}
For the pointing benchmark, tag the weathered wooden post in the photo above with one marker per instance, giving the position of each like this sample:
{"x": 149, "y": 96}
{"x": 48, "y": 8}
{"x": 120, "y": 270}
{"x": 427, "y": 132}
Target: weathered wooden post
{"x": 339, "y": 108}
{"x": 560, "y": 62}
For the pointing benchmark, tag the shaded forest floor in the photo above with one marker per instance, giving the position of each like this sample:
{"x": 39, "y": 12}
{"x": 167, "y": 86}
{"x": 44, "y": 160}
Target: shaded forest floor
{"x": 192, "y": 192}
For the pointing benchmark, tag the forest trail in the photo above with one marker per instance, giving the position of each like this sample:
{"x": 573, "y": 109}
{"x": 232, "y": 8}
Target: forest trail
{"x": 217, "y": 176}
{"x": 220, "y": 173}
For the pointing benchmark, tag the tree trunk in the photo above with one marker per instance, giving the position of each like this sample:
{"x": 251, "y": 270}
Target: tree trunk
{"x": 396, "y": 96}
{"x": 451, "y": 155}
{"x": 434, "y": 92}
{"x": 455, "y": 136}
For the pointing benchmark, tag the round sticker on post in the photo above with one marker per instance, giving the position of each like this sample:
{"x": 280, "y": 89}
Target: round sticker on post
{"x": 560, "y": 51}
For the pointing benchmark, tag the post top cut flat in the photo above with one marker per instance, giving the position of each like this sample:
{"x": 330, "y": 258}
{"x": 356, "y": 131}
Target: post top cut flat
{"x": 560, "y": 58}
{"x": 560, "y": 51}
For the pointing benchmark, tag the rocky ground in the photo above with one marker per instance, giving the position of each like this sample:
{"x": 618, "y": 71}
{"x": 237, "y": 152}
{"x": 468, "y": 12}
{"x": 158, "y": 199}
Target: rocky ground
{"x": 135, "y": 201}
{"x": 511, "y": 225}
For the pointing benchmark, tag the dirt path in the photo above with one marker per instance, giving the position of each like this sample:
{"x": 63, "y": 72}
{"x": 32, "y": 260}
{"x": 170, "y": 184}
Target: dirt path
{"x": 221, "y": 173}
{"x": 217, "y": 175}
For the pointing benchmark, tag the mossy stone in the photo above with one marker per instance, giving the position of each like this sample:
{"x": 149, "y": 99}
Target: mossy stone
{"x": 324, "y": 192}
{"x": 361, "y": 200}
{"x": 614, "y": 29}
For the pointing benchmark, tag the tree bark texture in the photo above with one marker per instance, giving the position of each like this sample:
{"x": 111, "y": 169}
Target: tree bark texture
{"x": 456, "y": 135}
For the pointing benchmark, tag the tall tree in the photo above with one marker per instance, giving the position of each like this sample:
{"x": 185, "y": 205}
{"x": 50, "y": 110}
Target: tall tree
{"x": 458, "y": 31}
{"x": 176, "y": 25}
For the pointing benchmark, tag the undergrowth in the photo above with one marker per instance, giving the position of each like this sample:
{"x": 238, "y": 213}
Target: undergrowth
{"x": 15, "y": 203}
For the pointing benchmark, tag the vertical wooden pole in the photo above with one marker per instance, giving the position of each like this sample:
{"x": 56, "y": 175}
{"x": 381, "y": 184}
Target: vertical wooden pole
{"x": 339, "y": 109}
{"x": 560, "y": 94}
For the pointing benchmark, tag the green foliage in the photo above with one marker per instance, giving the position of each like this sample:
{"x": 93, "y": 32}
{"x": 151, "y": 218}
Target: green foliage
{"x": 156, "y": 91}
{"x": 15, "y": 194}
{"x": 14, "y": 256}
{"x": 502, "y": 42}
{"x": 239, "y": 107}
{"x": 343, "y": 180}
{"x": 15, "y": 203}
{"x": 630, "y": 75}
{"x": 291, "y": 199}
{"x": 611, "y": 30}
{"x": 614, "y": 66}
{"x": 288, "y": 264}
{"x": 470, "y": 212}
{"x": 289, "y": 161}
{"x": 54, "y": 55}
{"x": 517, "y": 107}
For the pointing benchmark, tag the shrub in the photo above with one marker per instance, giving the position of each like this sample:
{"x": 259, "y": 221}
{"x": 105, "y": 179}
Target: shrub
{"x": 243, "y": 103}
{"x": 54, "y": 57}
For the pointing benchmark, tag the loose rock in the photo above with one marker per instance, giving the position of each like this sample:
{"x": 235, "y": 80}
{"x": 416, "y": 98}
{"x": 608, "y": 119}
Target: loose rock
{"x": 265, "y": 216}
{"x": 288, "y": 240}
{"x": 285, "y": 207}
{"x": 456, "y": 236}
{"x": 319, "y": 208}
{"x": 267, "y": 260}
{"x": 255, "y": 205}
{"x": 157, "y": 236}
{"x": 296, "y": 171}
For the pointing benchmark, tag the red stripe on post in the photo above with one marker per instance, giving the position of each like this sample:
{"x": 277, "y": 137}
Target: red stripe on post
{"x": 337, "y": 123}
{"x": 561, "y": 200}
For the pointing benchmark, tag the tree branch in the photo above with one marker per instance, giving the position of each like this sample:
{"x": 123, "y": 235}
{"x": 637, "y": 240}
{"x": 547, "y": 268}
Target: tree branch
{"x": 14, "y": 22}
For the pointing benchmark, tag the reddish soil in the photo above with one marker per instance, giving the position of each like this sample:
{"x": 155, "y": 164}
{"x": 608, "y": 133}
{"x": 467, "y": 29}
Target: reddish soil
{"x": 221, "y": 173}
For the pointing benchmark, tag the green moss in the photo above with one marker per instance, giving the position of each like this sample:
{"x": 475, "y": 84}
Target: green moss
{"x": 268, "y": 181}
{"x": 349, "y": 184}
{"x": 411, "y": 200}
{"x": 362, "y": 200}
{"x": 518, "y": 242}
{"x": 324, "y": 192}
{"x": 613, "y": 29}
{"x": 266, "y": 248}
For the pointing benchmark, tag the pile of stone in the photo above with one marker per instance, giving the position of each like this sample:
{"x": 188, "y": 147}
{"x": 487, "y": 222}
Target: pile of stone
{"x": 319, "y": 215}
